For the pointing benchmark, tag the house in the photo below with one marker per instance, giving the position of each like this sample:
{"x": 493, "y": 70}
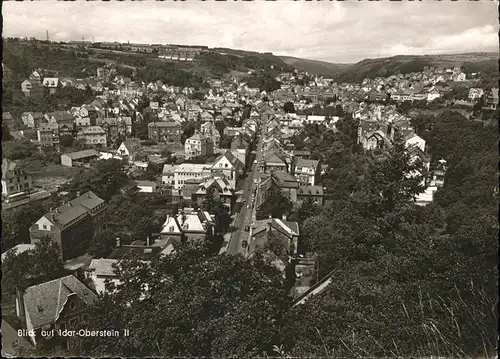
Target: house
{"x": 146, "y": 186}
{"x": 491, "y": 101}
{"x": 413, "y": 139}
{"x": 232, "y": 131}
{"x": 14, "y": 178}
{"x": 32, "y": 89}
{"x": 222, "y": 190}
{"x": 93, "y": 136}
{"x": 475, "y": 93}
{"x": 230, "y": 166}
{"x": 307, "y": 171}
{"x": 32, "y": 119}
{"x": 208, "y": 129}
{"x": 304, "y": 154}
{"x": 314, "y": 193}
{"x": 8, "y": 121}
{"x": 78, "y": 158}
{"x": 239, "y": 141}
{"x": 81, "y": 122}
{"x": 198, "y": 145}
{"x": 71, "y": 225}
{"x": 130, "y": 148}
{"x": 164, "y": 131}
{"x": 433, "y": 94}
{"x": 460, "y": 77}
{"x": 125, "y": 125}
{"x": 52, "y": 83}
{"x": 287, "y": 183}
{"x": 110, "y": 126}
{"x": 101, "y": 270}
{"x": 188, "y": 224}
{"x": 285, "y": 232}
{"x": 274, "y": 161}
{"x": 167, "y": 176}
{"x": 35, "y": 76}
{"x": 58, "y": 304}
{"x": 186, "y": 171}
{"x": 48, "y": 134}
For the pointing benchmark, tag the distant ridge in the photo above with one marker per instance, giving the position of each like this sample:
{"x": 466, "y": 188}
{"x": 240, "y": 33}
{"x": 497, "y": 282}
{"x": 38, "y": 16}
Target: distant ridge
{"x": 315, "y": 67}
{"x": 387, "y": 66}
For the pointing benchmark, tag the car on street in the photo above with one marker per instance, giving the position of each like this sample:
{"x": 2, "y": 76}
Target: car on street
{"x": 247, "y": 228}
{"x": 244, "y": 244}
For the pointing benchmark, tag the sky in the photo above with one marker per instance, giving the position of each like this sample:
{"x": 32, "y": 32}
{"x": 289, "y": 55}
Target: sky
{"x": 339, "y": 32}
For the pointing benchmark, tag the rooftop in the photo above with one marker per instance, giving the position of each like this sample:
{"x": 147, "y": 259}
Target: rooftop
{"x": 44, "y": 302}
{"x": 81, "y": 154}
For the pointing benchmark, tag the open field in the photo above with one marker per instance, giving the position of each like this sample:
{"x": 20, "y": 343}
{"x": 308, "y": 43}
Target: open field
{"x": 50, "y": 176}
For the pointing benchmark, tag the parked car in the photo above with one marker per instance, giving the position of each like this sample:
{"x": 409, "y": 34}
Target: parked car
{"x": 247, "y": 228}
{"x": 244, "y": 244}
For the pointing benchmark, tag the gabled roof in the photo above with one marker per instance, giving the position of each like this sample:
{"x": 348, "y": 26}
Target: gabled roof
{"x": 231, "y": 158}
{"x": 274, "y": 157}
{"x": 222, "y": 184}
{"x": 44, "y": 302}
{"x": 302, "y": 162}
{"x": 133, "y": 144}
{"x": 280, "y": 229}
{"x": 70, "y": 211}
{"x": 285, "y": 179}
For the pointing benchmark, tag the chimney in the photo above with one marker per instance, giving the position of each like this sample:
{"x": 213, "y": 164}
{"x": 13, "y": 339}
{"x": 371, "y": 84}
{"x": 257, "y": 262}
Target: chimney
{"x": 283, "y": 217}
{"x": 78, "y": 193}
{"x": 118, "y": 242}
{"x": 147, "y": 241}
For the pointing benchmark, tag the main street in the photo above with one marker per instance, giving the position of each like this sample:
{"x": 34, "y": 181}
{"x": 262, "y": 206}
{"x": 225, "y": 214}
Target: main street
{"x": 246, "y": 215}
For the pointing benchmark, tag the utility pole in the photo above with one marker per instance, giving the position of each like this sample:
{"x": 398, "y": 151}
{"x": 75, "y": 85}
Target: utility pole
{"x": 47, "y": 35}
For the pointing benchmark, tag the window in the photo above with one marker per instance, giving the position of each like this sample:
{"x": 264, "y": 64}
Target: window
{"x": 72, "y": 305}
{"x": 44, "y": 226}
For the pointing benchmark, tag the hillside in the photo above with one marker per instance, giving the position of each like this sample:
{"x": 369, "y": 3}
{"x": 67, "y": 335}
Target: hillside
{"x": 371, "y": 68}
{"x": 22, "y": 58}
{"x": 320, "y": 68}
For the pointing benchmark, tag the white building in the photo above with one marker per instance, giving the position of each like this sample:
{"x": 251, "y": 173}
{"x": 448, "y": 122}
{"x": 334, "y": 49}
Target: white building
{"x": 167, "y": 176}
{"x": 415, "y": 140}
{"x": 187, "y": 171}
{"x": 306, "y": 171}
{"x": 101, "y": 270}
